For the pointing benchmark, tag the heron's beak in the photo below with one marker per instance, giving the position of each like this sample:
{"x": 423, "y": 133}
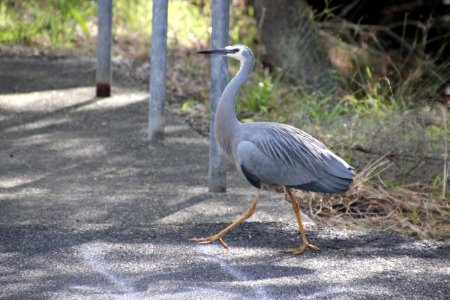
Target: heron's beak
{"x": 216, "y": 51}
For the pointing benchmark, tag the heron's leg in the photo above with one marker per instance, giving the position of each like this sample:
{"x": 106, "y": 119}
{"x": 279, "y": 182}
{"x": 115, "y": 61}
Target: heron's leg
{"x": 218, "y": 237}
{"x": 296, "y": 209}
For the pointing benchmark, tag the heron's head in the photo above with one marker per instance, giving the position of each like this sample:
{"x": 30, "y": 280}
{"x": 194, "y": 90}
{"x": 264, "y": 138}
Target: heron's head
{"x": 238, "y": 52}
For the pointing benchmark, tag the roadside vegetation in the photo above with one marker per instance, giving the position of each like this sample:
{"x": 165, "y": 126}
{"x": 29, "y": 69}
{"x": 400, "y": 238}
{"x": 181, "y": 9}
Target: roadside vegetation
{"x": 389, "y": 118}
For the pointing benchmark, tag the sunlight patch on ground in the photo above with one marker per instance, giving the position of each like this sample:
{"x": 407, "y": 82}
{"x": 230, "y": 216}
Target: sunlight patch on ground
{"x": 38, "y": 124}
{"x": 186, "y": 140}
{"x": 44, "y": 101}
{"x": 78, "y": 147}
{"x": 82, "y": 99}
{"x": 11, "y": 182}
{"x": 116, "y": 101}
{"x": 202, "y": 212}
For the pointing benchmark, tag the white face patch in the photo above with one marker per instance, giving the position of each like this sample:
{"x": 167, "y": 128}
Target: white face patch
{"x": 237, "y": 55}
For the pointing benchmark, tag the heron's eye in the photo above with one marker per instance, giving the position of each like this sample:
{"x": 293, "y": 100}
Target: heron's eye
{"x": 235, "y": 50}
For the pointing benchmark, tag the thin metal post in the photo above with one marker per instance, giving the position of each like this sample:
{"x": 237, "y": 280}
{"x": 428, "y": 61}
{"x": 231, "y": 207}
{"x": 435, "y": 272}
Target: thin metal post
{"x": 104, "y": 36}
{"x": 219, "y": 79}
{"x": 158, "y": 71}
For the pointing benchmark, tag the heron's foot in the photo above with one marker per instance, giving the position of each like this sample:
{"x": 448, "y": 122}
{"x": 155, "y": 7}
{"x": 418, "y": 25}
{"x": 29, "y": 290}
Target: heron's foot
{"x": 301, "y": 249}
{"x": 210, "y": 240}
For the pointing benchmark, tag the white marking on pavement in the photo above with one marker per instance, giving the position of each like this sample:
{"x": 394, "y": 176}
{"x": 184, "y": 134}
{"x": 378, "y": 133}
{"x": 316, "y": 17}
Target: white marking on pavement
{"x": 196, "y": 293}
{"x": 259, "y": 291}
{"x": 92, "y": 255}
{"x": 326, "y": 293}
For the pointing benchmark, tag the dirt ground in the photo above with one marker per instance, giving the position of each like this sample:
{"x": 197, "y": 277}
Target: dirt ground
{"x": 90, "y": 210}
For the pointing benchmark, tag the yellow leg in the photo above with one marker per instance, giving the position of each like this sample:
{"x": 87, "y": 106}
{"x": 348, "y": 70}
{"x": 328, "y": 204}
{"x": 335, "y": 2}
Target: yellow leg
{"x": 218, "y": 237}
{"x": 296, "y": 209}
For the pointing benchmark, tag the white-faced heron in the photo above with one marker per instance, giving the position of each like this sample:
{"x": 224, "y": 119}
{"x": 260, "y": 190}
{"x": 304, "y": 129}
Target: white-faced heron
{"x": 273, "y": 155}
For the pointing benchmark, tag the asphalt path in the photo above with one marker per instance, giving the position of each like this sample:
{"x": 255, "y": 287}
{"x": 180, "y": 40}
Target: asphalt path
{"x": 90, "y": 210}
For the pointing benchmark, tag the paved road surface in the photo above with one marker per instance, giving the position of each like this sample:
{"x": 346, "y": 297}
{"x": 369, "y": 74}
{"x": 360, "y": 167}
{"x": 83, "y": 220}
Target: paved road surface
{"x": 90, "y": 210}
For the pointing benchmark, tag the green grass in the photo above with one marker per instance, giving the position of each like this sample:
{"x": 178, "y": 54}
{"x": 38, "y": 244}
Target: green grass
{"x": 61, "y": 24}
{"x": 259, "y": 96}
{"x": 52, "y": 23}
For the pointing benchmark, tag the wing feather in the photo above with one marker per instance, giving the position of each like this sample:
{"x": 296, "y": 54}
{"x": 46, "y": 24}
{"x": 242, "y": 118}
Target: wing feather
{"x": 284, "y": 155}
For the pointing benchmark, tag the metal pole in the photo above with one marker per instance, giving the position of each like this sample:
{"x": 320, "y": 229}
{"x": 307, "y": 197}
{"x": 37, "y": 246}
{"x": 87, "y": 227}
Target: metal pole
{"x": 104, "y": 36}
{"x": 219, "y": 79}
{"x": 157, "y": 71}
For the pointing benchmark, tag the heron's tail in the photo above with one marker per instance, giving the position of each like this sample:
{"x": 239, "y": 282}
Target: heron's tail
{"x": 336, "y": 179}
{"x": 331, "y": 184}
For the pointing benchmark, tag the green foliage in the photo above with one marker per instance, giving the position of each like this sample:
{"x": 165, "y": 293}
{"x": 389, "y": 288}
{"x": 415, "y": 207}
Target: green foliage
{"x": 258, "y": 97}
{"x": 243, "y": 29}
{"x": 12, "y": 29}
{"x": 66, "y": 14}
{"x": 188, "y": 104}
{"x": 247, "y": 120}
{"x": 60, "y": 23}
{"x": 414, "y": 215}
{"x": 437, "y": 182}
{"x": 133, "y": 17}
{"x": 55, "y": 23}
{"x": 189, "y": 24}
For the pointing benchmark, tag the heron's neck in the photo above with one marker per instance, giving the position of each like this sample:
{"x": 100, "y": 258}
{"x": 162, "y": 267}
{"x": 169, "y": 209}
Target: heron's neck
{"x": 226, "y": 123}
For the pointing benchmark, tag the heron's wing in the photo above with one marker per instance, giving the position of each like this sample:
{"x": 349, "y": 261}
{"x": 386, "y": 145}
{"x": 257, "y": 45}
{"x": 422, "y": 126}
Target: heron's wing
{"x": 284, "y": 155}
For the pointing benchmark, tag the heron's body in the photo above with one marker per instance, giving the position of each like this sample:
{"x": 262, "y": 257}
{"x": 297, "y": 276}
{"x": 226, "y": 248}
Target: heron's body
{"x": 294, "y": 158}
{"x": 273, "y": 154}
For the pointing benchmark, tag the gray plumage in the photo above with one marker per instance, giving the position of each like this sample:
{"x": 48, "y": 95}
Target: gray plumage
{"x": 273, "y": 154}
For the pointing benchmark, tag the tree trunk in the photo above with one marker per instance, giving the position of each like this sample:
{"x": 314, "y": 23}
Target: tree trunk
{"x": 292, "y": 44}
